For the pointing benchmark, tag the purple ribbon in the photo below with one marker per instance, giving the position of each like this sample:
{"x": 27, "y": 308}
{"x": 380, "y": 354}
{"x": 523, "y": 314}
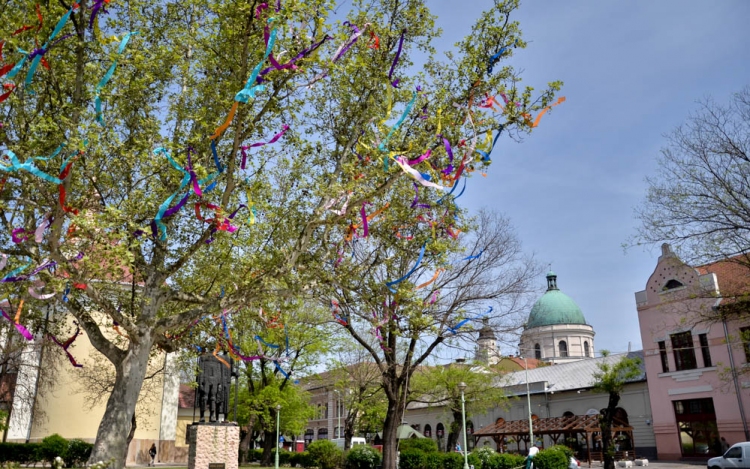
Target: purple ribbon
{"x": 275, "y": 138}
{"x": 415, "y": 203}
{"x": 98, "y": 5}
{"x": 193, "y": 176}
{"x": 20, "y": 278}
{"x": 21, "y": 329}
{"x": 395, "y": 60}
{"x": 420, "y": 159}
{"x": 290, "y": 64}
{"x": 15, "y": 234}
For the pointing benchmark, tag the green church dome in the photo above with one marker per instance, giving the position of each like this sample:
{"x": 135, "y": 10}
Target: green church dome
{"x": 554, "y": 307}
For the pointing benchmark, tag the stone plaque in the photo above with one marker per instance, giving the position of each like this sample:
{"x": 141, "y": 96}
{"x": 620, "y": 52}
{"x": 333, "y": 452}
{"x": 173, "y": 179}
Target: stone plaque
{"x": 216, "y": 465}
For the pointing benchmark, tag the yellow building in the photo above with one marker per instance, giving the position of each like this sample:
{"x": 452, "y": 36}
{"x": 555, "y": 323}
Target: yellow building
{"x": 70, "y": 407}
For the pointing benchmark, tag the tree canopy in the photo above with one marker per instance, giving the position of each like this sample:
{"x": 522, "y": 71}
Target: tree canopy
{"x": 168, "y": 162}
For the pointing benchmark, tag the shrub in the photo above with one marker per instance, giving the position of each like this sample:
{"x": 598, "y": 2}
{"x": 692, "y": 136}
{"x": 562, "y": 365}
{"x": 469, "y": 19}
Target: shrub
{"x": 504, "y": 461}
{"x": 551, "y": 459}
{"x": 325, "y": 454}
{"x": 302, "y": 459}
{"x": 453, "y": 461}
{"x": 564, "y": 449}
{"x": 433, "y": 461}
{"x": 475, "y": 461}
{"x": 411, "y": 459}
{"x": 53, "y": 446}
{"x": 426, "y": 445}
{"x": 284, "y": 457}
{"x": 484, "y": 454}
{"x": 22, "y": 453}
{"x": 77, "y": 454}
{"x": 255, "y": 454}
{"x": 363, "y": 457}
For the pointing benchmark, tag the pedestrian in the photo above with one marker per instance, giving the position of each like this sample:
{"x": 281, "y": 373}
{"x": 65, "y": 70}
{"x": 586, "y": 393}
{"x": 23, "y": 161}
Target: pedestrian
{"x": 724, "y": 445}
{"x": 458, "y": 447}
{"x": 529, "y": 464}
{"x": 152, "y": 453}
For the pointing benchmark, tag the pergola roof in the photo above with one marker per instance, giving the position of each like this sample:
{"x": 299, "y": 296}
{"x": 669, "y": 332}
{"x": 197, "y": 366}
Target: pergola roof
{"x": 549, "y": 426}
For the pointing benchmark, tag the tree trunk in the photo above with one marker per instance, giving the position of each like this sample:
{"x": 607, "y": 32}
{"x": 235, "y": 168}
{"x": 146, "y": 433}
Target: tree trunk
{"x": 390, "y": 434}
{"x": 131, "y": 434}
{"x": 454, "y": 435}
{"x": 266, "y": 460}
{"x": 112, "y": 436}
{"x": 245, "y": 443}
{"x": 605, "y": 422}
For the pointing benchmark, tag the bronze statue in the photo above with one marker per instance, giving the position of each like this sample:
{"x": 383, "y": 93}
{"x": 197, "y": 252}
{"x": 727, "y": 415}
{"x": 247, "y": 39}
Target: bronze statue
{"x": 214, "y": 380}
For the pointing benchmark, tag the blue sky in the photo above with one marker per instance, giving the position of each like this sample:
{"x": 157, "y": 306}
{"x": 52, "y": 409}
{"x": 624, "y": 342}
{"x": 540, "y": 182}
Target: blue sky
{"x": 633, "y": 71}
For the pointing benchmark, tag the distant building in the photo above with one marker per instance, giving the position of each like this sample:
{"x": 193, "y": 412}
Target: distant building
{"x": 556, "y": 331}
{"x": 692, "y": 356}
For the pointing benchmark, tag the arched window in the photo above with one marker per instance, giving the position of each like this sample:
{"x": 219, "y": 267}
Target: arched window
{"x": 563, "y": 348}
{"x": 537, "y": 352}
{"x": 323, "y": 434}
{"x": 568, "y": 414}
{"x": 586, "y": 349}
{"x": 325, "y": 416}
{"x": 440, "y": 431}
{"x": 621, "y": 415}
{"x": 673, "y": 284}
{"x": 309, "y": 436}
{"x": 428, "y": 430}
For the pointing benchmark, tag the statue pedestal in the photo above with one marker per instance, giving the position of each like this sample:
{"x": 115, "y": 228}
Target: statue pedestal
{"x": 213, "y": 446}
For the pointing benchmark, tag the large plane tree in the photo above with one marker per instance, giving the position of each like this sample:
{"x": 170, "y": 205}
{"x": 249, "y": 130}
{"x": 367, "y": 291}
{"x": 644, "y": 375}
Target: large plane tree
{"x": 135, "y": 190}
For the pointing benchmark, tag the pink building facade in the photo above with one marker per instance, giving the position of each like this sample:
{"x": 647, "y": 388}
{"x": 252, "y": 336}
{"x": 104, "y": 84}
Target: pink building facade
{"x": 698, "y": 370}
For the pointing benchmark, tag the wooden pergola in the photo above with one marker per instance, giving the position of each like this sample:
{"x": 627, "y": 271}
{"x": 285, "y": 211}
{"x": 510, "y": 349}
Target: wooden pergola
{"x": 554, "y": 427}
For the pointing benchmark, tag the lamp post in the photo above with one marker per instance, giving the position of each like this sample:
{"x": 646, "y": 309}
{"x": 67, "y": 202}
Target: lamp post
{"x": 462, "y": 387}
{"x": 528, "y": 400}
{"x": 276, "y": 459}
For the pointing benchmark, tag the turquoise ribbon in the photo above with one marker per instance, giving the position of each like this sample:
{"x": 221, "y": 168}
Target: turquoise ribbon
{"x": 165, "y": 205}
{"x": 29, "y": 166}
{"x": 382, "y": 147}
{"x": 107, "y": 76}
{"x": 249, "y": 91}
{"x": 35, "y": 63}
{"x": 17, "y": 271}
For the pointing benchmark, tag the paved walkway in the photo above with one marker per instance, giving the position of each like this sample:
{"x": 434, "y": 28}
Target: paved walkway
{"x": 658, "y": 465}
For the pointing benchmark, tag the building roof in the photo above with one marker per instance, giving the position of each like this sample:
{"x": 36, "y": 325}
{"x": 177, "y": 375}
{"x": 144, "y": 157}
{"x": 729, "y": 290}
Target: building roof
{"x": 554, "y": 307}
{"x": 568, "y": 376}
{"x": 733, "y": 275}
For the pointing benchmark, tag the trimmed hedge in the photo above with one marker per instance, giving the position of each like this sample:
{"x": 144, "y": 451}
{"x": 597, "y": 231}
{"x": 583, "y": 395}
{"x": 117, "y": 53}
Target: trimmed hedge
{"x": 411, "y": 459}
{"x": 52, "y": 447}
{"x": 504, "y": 461}
{"x": 77, "y": 454}
{"x": 568, "y": 452}
{"x": 302, "y": 459}
{"x": 22, "y": 453}
{"x": 426, "y": 445}
{"x": 551, "y": 459}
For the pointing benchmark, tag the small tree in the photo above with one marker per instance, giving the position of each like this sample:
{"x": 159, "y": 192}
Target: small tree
{"x": 611, "y": 379}
{"x": 438, "y": 386}
{"x": 698, "y": 200}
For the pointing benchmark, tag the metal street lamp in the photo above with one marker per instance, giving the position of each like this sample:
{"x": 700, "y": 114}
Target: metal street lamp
{"x": 462, "y": 387}
{"x": 528, "y": 400}
{"x": 276, "y": 459}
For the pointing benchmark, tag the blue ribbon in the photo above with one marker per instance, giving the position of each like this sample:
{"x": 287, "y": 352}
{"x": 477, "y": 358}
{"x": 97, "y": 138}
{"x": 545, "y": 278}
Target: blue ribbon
{"x": 382, "y": 147}
{"x": 258, "y": 338}
{"x": 454, "y": 330}
{"x": 249, "y": 90}
{"x": 218, "y": 164}
{"x": 165, "y": 205}
{"x": 390, "y": 284}
{"x": 497, "y": 56}
{"x": 107, "y": 76}
{"x": 455, "y": 184}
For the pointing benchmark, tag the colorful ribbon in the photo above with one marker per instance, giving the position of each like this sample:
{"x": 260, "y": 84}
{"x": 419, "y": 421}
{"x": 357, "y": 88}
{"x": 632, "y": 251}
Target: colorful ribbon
{"x": 20, "y": 328}
{"x": 497, "y": 56}
{"x": 396, "y": 282}
{"x": 107, "y": 76}
{"x": 275, "y": 138}
{"x": 249, "y": 90}
{"x": 394, "y": 83}
{"x": 65, "y": 345}
{"x": 454, "y": 330}
{"x": 165, "y": 205}
{"x": 382, "y": 146}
